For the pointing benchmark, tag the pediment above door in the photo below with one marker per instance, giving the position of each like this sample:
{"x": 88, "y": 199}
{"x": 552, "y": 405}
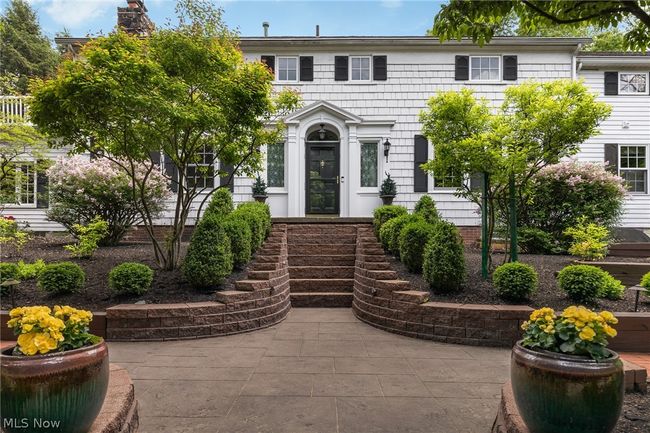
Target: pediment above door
{"x": 320, "y": 107}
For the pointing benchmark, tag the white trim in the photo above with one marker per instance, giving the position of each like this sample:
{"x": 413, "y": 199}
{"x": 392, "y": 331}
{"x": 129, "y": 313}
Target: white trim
{"x": 499, "y": 57}
{"x": 370, "y": 77}
{"x": 647, "y": 83}
{"x": 277, "y": 69}
{"x": 378, "y": 144}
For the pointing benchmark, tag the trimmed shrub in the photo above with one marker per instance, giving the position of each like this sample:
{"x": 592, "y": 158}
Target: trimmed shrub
{"x": 385, "y": 213}
{"x": 398, "y": 225}
{"x": 412, "y": 239}
{"x": 130, "y": 279}
{"x": 240, "y": 235}
{"x": 8, "y": 271}
{"x": 515, "y": 281}
{"x": 612, "y": 288}
{"x": 588, "y": 240}
{"x": 62, "y": 277}
{"x": 209, "y": 257}
{"x": 258, "y": 217}
{"x": 536, "y": 241}
{"x": 29, "y": 271}
{"x": 386, "y": 232}
{"x": 581, "y": 282}
{"x": 645, "y": 282}
{"x": 220, "y": 203}
{"x": 426, "y": 208}
{"x": 444, "y": 258}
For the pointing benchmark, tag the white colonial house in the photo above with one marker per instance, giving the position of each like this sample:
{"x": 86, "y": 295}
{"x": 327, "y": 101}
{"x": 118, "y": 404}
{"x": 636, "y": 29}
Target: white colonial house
{"x": 362, "y": 97}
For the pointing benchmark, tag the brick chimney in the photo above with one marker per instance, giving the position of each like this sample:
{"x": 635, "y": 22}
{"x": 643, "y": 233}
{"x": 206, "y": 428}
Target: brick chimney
{"x": 133, "y": 19}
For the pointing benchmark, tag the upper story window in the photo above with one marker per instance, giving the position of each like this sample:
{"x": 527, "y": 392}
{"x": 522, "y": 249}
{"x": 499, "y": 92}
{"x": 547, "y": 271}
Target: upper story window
{"x": 287, "y": 69}
{"x": 485, "y": 68}
{"x": 633, "y": 167}
{"x": 633, "y": 83}
{"x": 360, "y": 68}
{"x": 20, "y": 187}
{"x": 200, "y": 173}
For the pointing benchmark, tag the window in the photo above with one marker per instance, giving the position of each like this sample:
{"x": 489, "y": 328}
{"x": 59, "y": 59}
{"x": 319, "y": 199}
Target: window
{"x": 485, "y": 68}
{"x": 447, "y": 180}
{"x": 360, "y": 68}
{"x": 369, "y": 159}
{"x": 20, "y": 186}
{"x": 287, "y": 69}
{"x": 633, "y": 83}
{"x": 275, "y": 165}
{"x": 200, "y": 174}
{"x": 633, "y": 167}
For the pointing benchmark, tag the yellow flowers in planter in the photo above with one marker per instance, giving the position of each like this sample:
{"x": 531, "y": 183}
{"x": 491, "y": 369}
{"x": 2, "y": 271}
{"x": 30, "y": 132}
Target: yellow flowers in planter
{"x": 577, "y": 331}
{"x": 40, "y": 331}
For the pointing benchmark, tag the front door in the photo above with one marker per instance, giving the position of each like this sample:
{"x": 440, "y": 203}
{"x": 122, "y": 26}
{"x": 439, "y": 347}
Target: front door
{"x": 322, "y": 178}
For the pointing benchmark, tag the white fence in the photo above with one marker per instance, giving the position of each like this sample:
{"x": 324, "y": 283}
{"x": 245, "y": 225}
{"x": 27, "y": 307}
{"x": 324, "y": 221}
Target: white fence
{"x": 14, "y": 109}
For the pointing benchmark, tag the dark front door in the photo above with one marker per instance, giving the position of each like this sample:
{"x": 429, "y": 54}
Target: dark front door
{"x": 322, "y": 178}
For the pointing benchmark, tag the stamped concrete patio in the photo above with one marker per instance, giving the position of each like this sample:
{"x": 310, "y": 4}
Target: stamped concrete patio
{"x": 321, "y": 370}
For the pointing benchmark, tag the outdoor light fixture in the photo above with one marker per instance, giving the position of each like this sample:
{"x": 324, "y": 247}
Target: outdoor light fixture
{"x": 321, "y": 131}
{"x": 386, "y": 148}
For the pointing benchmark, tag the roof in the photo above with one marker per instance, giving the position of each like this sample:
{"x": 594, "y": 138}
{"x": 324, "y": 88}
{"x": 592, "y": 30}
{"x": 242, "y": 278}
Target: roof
{"x": 613, "y": 59}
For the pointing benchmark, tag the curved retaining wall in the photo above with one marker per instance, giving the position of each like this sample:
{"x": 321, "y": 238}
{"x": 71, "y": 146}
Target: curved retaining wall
{"x": 259, "y": 301}
{"x": 119, "y": 414}
{"x": 383, "y": 301}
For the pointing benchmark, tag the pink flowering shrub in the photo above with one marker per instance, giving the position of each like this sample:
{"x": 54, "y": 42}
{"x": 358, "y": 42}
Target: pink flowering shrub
{"x": 82, "y": 190}
{"x": 562, "y": 194}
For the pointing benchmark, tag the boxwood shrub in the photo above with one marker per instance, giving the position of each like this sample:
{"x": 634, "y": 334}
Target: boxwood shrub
{"x": 612, "y": 288}
{"x": 393, "y": 235}
{"x": 62, "y": 277}
{"x": 130, "y": 279}
{"x": 240, "y": 235}
{"x": 412, "y": 239}
{"x": 426, "y": 208}
{"x": 209, "y": 257}
{"x": 220, "y": 203}
{"x": 385, "y": 213}
{"x": 386, "y": 232}
{"x": 515, "y": 281}
{"x": 582, "y": 283}
{"x": 8, "y": 271}
{"x": 258, "y": 217}
{"x": 444, "y": 259}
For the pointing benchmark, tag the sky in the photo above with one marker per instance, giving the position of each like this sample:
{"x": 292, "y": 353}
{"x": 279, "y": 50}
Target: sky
{"x": 295, "y": 18}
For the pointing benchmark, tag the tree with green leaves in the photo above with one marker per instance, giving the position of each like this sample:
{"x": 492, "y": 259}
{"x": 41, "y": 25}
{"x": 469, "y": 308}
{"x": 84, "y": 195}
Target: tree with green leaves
{"x": 536, "y": 125}
{"x": 183, "y": 98}
{"x": 24, "y": 50}
{"x": 482, "y": 20}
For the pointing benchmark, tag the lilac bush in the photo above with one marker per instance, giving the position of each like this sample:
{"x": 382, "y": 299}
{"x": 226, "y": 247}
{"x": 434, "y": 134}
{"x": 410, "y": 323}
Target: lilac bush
{"x": 561, "y": 194}
{"x": 82, "y": 190}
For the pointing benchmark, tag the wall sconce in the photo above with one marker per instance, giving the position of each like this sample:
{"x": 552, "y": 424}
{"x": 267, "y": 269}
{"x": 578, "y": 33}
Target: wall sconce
{"x": 386, "y": 148}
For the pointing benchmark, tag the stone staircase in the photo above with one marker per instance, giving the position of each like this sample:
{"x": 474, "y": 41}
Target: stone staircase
{"x": 321, "y": 264}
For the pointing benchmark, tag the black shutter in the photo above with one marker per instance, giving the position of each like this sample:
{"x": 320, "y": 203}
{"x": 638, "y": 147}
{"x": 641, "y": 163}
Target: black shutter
{"x": 611, "y": 157}
{"x": 341, "y": 68}
{"x": 223, "y": 181}
{"x": 462, "y": 68}
{"x": 611, "y": 83}
{"x": 510, "y": 68}
{"x": 42, "y": 188}
{"x": 155, "y": 157}
{"x": 420, "y": 177}
{"x": 306, "y": 68}
{"x": 379, "y": 68}
{"x": 172, "y": 172}
{"x": 476, "y": 182}
{"x": 270, "y": 62}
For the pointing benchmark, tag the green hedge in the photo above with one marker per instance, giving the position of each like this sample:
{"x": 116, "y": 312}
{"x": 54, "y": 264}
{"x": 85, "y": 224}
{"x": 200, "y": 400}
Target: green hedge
{"x": 258, "y": 217}
{"x": 426, "y": 208}
{"x": 444, "y": 259}
{"x": 209, "y": 257}
{"x": 220, "y": 203}
{"x": 240, "y": 236}
{"x": 412, "y": 239}
{"x": 515, "y": 281}
{"x": 130, "y": 279}
{"x": 581, "y": 282}
{"x": 62, "y": 277}
{"x": 385, "y": 213}
{"x": 393, "y": 235}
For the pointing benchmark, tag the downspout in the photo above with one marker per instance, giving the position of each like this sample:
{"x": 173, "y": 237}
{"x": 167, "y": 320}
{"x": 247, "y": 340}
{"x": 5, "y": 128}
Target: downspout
{"x": 574, "y": 61}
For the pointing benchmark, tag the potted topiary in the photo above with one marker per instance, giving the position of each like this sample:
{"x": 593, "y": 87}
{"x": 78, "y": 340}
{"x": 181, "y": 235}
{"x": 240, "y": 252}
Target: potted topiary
{"x": 388, "y": 190}
{"x": 563, "y": 376}
{"x": 58, "y": 371}
{"x": 259, "y": 190}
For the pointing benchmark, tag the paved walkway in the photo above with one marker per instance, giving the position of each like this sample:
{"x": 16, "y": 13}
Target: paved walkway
{"x": 321, "y": 370}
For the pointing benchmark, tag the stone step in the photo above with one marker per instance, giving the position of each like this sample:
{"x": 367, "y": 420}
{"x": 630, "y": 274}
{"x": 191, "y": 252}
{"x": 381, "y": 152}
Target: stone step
{"x": 321, "y": 299}
{"x": 252, "y": 285}
{"x": 322, "y": 260}
{"x": 321, "y": 285}
{"x": 320, "y": 238}
{"x": 315, "y": 249}
{"x": 321, "y": 272}
{"x": 321, "y": 228}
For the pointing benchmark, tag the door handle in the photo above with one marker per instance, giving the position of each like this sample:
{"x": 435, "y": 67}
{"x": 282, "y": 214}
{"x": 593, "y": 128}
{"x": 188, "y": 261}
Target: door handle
{"x": 338, "y": 180}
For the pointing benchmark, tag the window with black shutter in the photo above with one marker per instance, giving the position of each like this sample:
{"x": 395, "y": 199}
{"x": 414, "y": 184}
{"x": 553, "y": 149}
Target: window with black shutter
{"x": 341, "y": 68}
{"x": 379, "y": 68}
{"x": 611, "y": 157}
{"x": 420, "y": 177}
{"x": 611, "y": 83}
{"x": 306, "y": 68}
{"x": 462, "y": 68}
{"x": 269, "y": 61}
{"x": 510, "y": 68}
{"x": 42, "y": 188}
{"x": 171, "y": 171}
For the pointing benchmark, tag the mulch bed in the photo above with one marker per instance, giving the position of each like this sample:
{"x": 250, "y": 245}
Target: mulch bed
{"x": 479, "y": 291}
{"x": 168, "y": 286}
{"x": 635, "y": 417}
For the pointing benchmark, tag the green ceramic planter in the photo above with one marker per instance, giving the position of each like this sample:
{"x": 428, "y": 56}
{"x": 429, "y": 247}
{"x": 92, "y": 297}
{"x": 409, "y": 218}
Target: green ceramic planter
{"x": 59, "y": 392}
{"x": 565, "y": 393}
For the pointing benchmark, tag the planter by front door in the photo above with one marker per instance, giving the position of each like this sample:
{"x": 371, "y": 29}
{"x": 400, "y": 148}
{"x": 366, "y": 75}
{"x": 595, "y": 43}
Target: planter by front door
{"x": 322, "y": 180}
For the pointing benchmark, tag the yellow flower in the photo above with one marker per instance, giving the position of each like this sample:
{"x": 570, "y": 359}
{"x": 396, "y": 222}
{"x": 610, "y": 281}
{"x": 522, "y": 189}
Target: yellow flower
{"x": 542, "y": 312}
{"x": 611, "y": 332}
{"x": 587, "y": 334}
{"x": 609, "y": 317}
{"x": 26, "y": 343}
